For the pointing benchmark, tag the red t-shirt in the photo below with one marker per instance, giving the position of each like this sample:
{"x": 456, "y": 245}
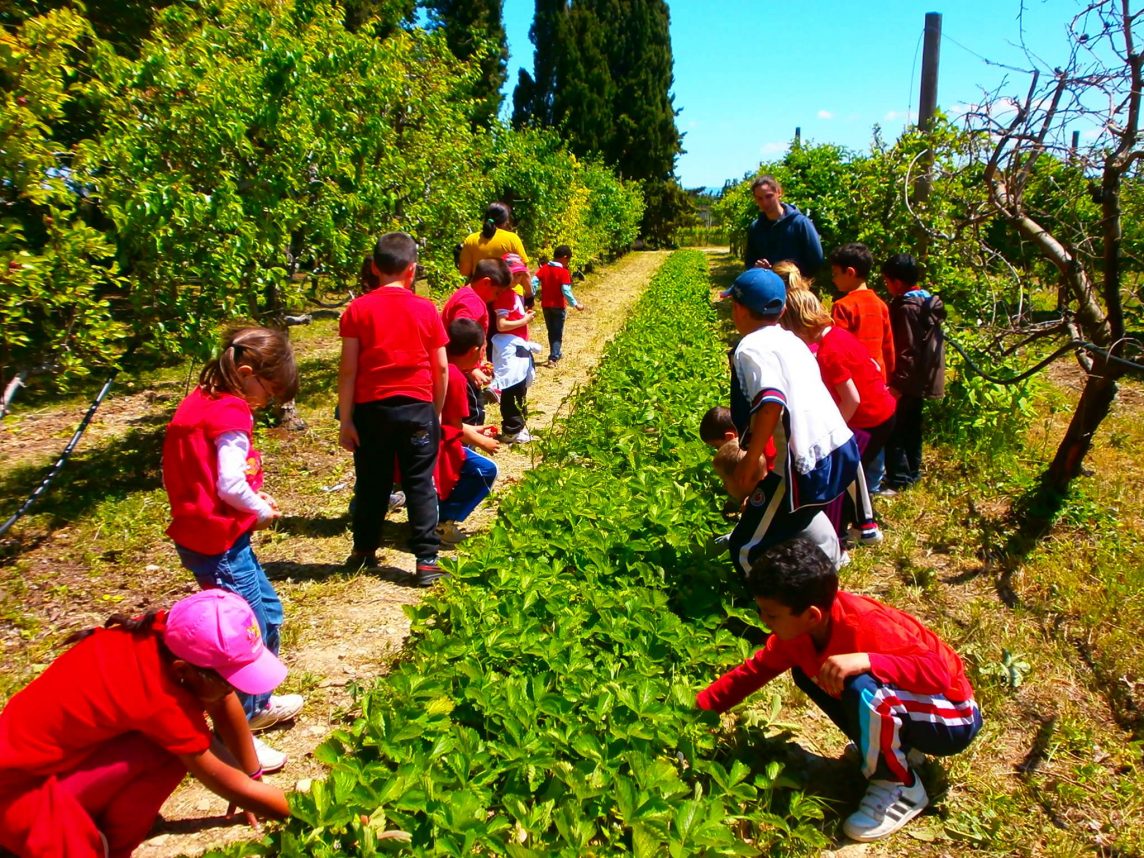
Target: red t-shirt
{"x": 200, "y": 519}
{"x": 842, "y": 358}
{"x": 510, "y": 306}
{"x": 396, "y": 332}
{"x": 903, "y": 653}
{"x": 867, "y": 317}
{"x": 107, "y": 685}
{"x": 465, "y": 303}
{"x": 553, "y": 278}
{"x": 452, "y": 455}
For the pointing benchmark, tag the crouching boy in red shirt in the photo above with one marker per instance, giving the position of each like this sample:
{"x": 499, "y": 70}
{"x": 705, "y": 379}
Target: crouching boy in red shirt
{"x": 890, "y": 684}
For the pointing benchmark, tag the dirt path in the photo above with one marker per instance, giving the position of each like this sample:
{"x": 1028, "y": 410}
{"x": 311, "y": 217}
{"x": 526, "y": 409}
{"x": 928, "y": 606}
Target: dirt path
{"x": 343, "y": 632}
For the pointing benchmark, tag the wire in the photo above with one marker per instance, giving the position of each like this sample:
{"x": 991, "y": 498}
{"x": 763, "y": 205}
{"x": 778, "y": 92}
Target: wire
{"x": 984, "y": 59}
{"x": 58, "y": 466}
{"x": 1071, "y": 345}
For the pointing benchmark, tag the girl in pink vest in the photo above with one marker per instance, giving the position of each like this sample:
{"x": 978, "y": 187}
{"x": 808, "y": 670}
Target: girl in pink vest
{"x": 213, "y": 477}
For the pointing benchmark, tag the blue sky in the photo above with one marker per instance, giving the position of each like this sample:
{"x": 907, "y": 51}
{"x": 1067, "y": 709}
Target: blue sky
{"x": 747, "y": 72}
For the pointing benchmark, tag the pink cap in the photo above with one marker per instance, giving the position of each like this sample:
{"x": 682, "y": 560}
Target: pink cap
{"x": 216, "y": 629}
{"x": 515, "y": 263}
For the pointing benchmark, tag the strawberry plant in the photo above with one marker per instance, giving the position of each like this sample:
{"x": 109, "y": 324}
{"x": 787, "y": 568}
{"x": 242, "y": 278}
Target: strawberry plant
{"x": 546, "y": 704}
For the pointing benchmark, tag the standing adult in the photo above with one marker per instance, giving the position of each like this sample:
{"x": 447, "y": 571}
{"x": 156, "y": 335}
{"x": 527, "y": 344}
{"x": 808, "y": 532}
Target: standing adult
{"x": 780, "y": 232}
{"x": 492, "y": 242}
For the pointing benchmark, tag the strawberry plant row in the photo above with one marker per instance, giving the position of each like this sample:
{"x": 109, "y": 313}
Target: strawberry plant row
{"x": 546, "y": 703}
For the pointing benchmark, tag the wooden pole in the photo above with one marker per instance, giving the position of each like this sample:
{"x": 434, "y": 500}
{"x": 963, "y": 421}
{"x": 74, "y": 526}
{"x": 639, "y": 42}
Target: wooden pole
{"x": 797, "y": 137}
{"x": 927, "y": 107}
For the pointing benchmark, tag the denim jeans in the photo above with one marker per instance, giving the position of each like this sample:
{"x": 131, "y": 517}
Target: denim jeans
{"x": 405, "y": 431}
{"x": 238, "y": 570}
{"x": 554, "y": 321}
{"x": 477, "y": 476}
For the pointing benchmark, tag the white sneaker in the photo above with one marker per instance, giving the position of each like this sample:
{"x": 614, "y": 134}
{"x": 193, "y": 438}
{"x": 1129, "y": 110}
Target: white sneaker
{"x": 450, "y": 534}
{"x": 396, "y": 501}
{"x": 522, "y": 437}
{"x": 282, "y": 707}
{"x": 885, "y": 808}
{"x": 269, "y": 760}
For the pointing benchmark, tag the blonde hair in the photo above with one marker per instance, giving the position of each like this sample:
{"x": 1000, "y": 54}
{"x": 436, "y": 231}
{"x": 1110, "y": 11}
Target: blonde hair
{"x": 788, "y": 271}
{"x": 727, "y": 458}
{"x": 266, "y": 351}
{"x": 804, "y": 314}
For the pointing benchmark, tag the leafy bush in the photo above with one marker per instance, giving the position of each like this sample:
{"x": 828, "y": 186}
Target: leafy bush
{"x": 546, "y": 706}
{"x": 242, "y": 146}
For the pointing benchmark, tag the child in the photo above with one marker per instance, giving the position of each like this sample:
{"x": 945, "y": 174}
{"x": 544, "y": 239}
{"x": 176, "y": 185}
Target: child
{"x": 776, "y": 382}
{"x": 860, "y": 311}
{"x": 464, "y": 477}
{"x": 521, "y": 279}
{"x": 93, "y": 746}
{"x": 213, "y": 478}
{"x": 895, "y": 688}
{"x": 717, "y": 430}
{"x": 391, "y": 388}
{"x": 512, "y": 363}
{"x": 919, "y": 367}
{"x": 856, "y": 386}
{"x": 489, "y": 279}
{"x": 555, "y": 295}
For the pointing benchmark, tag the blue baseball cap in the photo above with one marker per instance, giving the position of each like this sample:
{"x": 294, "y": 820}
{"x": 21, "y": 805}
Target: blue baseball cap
{"x": 758, "y": 289}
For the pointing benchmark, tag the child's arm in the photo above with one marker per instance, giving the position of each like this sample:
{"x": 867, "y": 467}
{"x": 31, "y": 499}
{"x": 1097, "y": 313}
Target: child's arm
{"x": 921, "y": 673}
{"x": 233, "y": 449}
{"x": 222, "y": 778}
{"x": 848, "y": 399}
{"x": 439, "y": 365}
{"x": 889, "y": 354}
{"x": 736, "y": 685}
{"x": 753, "y": 466}
{"x": 347, "y": 379}
{"x": 473, "y": 436}
{"x": 504, "y": 325}
{"x": 567, "y": 290}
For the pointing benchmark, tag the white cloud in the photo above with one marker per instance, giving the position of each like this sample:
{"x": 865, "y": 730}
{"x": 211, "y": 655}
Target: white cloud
{"x": 825, "y": 114}
{"x": 896, "y": 115}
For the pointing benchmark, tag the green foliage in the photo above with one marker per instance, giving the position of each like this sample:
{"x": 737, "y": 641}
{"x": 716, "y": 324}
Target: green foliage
{"x": 603, "y": 74}
{"x": 546, "y": 706}
{"x": 474, "y": 30}
{"x": 246, "y": 145}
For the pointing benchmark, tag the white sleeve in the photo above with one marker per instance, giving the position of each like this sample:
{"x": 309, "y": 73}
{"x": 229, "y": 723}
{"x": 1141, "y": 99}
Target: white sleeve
{"x": 233, "y": 449}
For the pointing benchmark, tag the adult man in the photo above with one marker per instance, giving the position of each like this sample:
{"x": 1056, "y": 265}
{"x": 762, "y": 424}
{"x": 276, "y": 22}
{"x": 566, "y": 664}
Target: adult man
{"x": 780, "y": 232}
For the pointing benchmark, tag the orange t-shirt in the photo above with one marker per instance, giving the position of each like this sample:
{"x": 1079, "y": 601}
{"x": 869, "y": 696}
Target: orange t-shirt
{"x": 867, "y": 317}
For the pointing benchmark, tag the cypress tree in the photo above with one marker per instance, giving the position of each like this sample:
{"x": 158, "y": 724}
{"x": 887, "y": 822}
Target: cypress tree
{"x": 475, "y": 28}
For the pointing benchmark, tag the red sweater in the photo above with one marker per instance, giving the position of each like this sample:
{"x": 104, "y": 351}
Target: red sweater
{"x": 903, "y": 653}
{"x": 867, "y": 317}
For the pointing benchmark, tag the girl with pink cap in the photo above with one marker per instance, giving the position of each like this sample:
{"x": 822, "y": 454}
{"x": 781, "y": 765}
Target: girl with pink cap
{"x": 91, "y": 748}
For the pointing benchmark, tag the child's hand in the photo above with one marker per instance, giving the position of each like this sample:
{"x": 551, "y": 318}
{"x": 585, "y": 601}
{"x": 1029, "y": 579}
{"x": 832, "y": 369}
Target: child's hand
{"x": 481, "y": 375}
{"x": 273, "y": 504}
{"x": 487, "y": 443}
{"x": 488, "y": 431}
{"x": 530, "y": 315}
{"x": 579, "y": 308}
{"x": 348, "y": 437}
{"x": 836, "y": 669}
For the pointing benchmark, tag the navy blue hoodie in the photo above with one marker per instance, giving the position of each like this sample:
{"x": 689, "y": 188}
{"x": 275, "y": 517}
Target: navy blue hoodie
{"x": 792, "y": 236}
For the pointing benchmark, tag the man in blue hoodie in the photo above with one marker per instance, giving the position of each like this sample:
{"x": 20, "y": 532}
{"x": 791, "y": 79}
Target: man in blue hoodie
{"x": 780, "y": 232}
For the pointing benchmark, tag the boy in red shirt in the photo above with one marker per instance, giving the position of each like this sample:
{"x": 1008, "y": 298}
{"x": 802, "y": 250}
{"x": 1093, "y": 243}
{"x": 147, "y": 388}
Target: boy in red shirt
{"x": 489, "y": 280}
{"x": 555, "y": 295}
{"x": 391, "y": 388}
{"x": 860, "y": 310}
{"x": 464, "y": 477}
{"x": 895, "y": 688}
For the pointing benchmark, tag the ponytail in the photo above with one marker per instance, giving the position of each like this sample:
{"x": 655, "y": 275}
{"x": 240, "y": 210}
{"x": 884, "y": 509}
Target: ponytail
{"x": 266, "y": 351}
{"x": 497, "y": 215}
{"x": 152, "y": 622}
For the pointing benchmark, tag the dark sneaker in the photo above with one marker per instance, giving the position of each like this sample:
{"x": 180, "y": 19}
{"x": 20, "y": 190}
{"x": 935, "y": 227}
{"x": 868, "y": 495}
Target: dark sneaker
{"x": 429, "y": 573}
{"x": 361, "y": 560}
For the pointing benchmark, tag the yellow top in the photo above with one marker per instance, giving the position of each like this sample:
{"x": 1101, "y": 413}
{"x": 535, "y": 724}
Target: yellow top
{"x": 477, "y": 247}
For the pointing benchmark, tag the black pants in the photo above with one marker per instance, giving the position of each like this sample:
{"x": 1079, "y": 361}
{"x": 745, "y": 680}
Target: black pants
{"x": 554, "y": 322}
{"x": 405, "y": 430}
{"x": 904, "y": 447}
{"x": 476, "y": 398}
{"x": 513, "y": 408}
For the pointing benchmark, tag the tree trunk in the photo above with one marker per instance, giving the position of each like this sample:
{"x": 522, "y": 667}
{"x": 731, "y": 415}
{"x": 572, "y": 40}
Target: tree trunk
{"x": 1095, "y": 402}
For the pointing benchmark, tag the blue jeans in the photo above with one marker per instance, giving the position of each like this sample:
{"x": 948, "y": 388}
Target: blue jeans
{"x": 477, "y": 475}
{"x": 238, "y": 570}
{"x": 554, "y": 322}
